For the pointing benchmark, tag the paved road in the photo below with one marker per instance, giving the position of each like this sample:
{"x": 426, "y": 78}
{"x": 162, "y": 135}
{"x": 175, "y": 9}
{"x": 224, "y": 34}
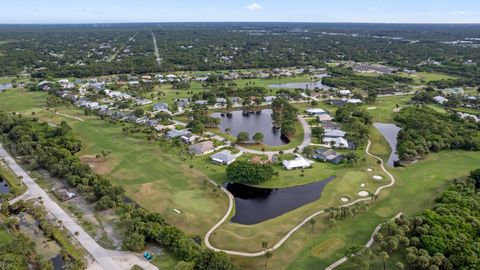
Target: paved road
{"x": 107, "y": 259}
{"x": 157, "y": 54}
{"x": 293, "y": 230}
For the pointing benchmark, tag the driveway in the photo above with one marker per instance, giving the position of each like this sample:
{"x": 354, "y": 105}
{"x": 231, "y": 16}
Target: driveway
{"x": 107, "y": 259}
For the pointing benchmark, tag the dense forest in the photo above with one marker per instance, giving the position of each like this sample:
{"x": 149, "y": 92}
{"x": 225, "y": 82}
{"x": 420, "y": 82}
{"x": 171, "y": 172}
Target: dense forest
{"x": 54, "y": 148}
{"x": 445, "y": 237}
{"x": 85, "y": 50}
{"x": 424, "y": 130}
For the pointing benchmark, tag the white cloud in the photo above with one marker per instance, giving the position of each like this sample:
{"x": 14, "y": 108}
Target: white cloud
{"x": 254, "y": 7}
{"x": 460, "y": 12}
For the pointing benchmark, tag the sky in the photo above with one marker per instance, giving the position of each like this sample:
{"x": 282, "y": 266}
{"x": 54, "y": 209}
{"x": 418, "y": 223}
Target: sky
{"x": 118, "y": 11}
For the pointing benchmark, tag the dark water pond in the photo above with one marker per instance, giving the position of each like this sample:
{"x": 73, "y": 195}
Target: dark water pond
{"x": 390, "y": 133}
{"x": 252, "y": 123}
{"x": 4, "y": 188}
{"x": 254, "y": 205}
{"x": 58, "y": 262}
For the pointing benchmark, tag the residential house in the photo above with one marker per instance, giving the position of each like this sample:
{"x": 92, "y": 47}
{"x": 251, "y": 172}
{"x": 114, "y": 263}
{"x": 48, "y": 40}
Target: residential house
{"x": 334, "y": 133}
{"x": 201, "y": 102}
{"x": 202, "y": 148}
{"x": 160, "y": 107}
{"x": 297, "y": 163}
{"x": 454, "y": 91}
{"x": 160, "y": 128}
{"x": 354, "y": 101}
{"x": 190, "y": 138}
{"x": 220, "y": 101}
{"x": 440, "y": 100}
{"x": 337, "y": 142}
{"x": 269, "y": 99}
{"x": 328, "y": 155}
{"x": 224, "y": 157}
{"x": 324, "y": 118}
{"x": 177, "y": 133}
{"x": 344, "y": 92}
{"x": 316, "y": 111}
{"x": 143, "y": 102}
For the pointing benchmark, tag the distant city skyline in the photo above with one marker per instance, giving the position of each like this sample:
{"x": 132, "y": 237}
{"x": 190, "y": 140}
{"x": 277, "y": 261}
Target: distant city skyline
{"x": 122, "y": 11}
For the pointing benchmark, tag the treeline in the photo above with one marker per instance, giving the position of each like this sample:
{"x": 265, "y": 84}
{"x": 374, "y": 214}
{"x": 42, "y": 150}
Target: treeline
{"x": 424, "y": 130}
{"x": 54, "y": 148}
{"x": 347, "y": 78}
{"x": 284, "y": 116}
{"x": 445, "y": 237}
{"x": 151, "y": 227}
{"x": 356, "y": 122}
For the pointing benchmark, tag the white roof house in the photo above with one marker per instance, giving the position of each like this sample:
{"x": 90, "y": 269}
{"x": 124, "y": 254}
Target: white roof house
{"x": 334, "y": 133}
{"x": 315, "y": 111}
{"x": 298, "y": 163}
{"x": 337, "y": 142}
{"x": 354, "y": 101}
{"x": 440, "y": 99}
{"x": 345, "y": 92}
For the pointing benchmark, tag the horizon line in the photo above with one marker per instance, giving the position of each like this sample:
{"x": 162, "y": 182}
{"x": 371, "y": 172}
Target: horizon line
{"x": 286, "y": 22}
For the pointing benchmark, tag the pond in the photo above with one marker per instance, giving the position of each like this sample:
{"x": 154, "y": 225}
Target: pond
{"x": 303, "y": 85}
{"x": 390, "y": 133}
{"x": 4, "y": 188}
{"x": 5, "y": 86}
{"x": 254, "y": 205}
{"x": 261, "y": 121}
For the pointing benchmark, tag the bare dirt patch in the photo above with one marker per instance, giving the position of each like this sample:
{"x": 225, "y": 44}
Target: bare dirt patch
{"x": 326, "y": 249}
{"x": 101, "y": 166}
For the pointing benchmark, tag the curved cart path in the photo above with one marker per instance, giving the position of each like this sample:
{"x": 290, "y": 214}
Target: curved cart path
{"x": 296, "y": 228}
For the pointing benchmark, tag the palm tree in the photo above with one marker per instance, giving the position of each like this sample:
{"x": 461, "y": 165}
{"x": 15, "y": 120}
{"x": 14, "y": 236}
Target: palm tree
{"x": 264, "y": 244}
{"x": 312, "y": 222}
{"x": 384, "y": 256}
{"x": 268, "y": 255}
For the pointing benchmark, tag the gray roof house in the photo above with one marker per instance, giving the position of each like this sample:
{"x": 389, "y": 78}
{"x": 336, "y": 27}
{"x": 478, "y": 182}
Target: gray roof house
{"x": 201, "y": 148}
{"x": 160, "y": 106}
{"x": 328, "y": 155}
{"x": 224, "y": 157}
{"x": 177, "y": 133}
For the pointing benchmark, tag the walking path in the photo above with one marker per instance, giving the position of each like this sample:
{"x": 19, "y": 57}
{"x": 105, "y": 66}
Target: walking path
{"x": 69, "y": 116}
{"x": 107, "y": 259}
{"x": 296, "y": 228}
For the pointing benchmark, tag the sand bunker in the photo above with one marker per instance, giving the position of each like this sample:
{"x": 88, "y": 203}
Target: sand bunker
{"x": 371, "y": 108}
{"x": 362, "y": 185}
{"x": 369, "y": 170}
{"x": 176, "y": 211}
{"x": 345, "y": 199}
{"x": 363, "y": 193}
{"x": 377, "y": 177}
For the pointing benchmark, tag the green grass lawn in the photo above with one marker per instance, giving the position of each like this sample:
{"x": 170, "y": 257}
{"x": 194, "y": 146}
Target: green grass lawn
{"x": 5, "y": 236}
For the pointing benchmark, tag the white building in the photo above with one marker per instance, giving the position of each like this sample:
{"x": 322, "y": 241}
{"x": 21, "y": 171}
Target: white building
{"x": 315, "y": 111}
{"x": 440, "y": 99}
{"x": 298, "y": 163}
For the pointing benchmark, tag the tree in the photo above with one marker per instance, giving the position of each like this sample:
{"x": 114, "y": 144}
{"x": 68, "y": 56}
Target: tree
{"x": 268, "y": 255}
{"x": 196, "y": 126}
{"x": 264, "y": 244}
{"x": 247, "y": 172}
{"x": 384, "y": 256}
{"x": 258, "y": 137}
{"x": 288, "y": 129}
{"x": 185, "y": 266}
{"x": 312, "y": 222}
{"x": 134, "y": 241}
{"x": 318, "y": 132}
{"x": 243, "y": 137}
{"x": 139, "y": 112}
